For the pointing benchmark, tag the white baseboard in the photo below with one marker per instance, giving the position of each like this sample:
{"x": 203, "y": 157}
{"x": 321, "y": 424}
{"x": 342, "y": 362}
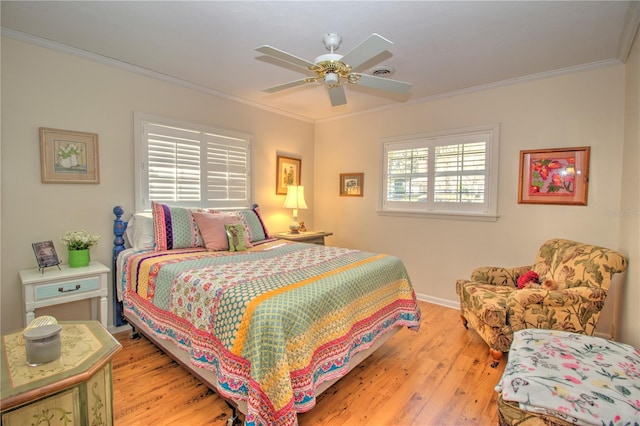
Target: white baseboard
{"x": 438, "y": 301}
{"x": 114, "y": 330}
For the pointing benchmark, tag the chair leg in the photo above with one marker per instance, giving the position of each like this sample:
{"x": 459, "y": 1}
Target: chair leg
{"x": 464, "y": 322}
{"x": 496, "y": 356}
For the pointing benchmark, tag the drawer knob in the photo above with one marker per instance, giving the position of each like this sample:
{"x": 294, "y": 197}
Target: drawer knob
{"x": 62, "y": 290}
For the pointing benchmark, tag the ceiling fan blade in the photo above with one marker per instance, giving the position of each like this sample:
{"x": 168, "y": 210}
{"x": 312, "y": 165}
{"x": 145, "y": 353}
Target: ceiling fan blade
{"x": 383, "y": 83}
{"x": 289, "y": 85}
{"x": 337, "y": 96}
{"x": 372, "y": 46}
{"x": 284, "y": 56}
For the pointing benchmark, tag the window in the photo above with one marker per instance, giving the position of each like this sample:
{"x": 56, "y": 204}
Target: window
{"x": 188, "y": 165}
{"x": 443, "y": 174}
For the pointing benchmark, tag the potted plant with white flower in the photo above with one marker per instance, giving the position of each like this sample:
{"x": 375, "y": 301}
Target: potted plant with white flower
{"x": 78, "y": 244}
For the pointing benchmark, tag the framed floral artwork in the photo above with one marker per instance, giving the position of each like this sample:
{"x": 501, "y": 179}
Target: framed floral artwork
{"x": 554, "y": 176}
{"x": 351, "y": 184}
{"x": 68, "y": 157}
{"x": 287, "y": 173}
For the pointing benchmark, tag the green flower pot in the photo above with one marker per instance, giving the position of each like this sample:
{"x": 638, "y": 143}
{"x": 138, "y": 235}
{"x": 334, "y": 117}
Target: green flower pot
{"x": 79, "y": 258}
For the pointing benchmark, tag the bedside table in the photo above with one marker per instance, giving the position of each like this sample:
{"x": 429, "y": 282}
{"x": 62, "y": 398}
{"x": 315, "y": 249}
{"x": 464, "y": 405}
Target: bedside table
{"x": 53, "y": 287}
{"x": 311, "y": 237}
{"x": 75, "y": 389}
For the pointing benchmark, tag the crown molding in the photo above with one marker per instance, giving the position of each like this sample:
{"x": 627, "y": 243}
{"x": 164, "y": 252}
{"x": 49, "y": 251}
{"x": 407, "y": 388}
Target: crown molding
{"x": 629, "y": 31}
{"x": 631, "y": 27}
{"x": 483, "y": 87}
{"x": 17, "y": 35}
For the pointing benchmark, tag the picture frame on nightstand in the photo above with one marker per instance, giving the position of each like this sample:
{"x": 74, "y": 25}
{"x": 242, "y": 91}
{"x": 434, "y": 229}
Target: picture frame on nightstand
{"x": 46, "y": 255}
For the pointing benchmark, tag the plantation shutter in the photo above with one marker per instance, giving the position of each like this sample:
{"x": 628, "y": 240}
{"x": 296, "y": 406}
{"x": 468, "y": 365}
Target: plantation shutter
{"x": 192, "y": 168}
{"x": 459, "y": 171}
{"x": 407, "y": 174}
{"x": 445, "y": 173}
{"x": 227, "y": 170}
{"x": 174, "y": 165}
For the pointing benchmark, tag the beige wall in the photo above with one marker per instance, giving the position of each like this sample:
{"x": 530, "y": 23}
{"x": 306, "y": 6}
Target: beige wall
{"x": 630, "y": 206}
{"x": 581, "y": 109}
{"x": 45, "y": 88}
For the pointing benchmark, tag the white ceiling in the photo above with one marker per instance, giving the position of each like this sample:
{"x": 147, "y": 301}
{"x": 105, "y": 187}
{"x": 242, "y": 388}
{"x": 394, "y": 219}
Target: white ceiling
{"x": 439, "y": 46}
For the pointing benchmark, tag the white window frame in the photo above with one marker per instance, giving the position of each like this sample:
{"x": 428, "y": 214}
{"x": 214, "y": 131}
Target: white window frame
{"x": 201, "y": 133}
{"x": 485, "y": 211}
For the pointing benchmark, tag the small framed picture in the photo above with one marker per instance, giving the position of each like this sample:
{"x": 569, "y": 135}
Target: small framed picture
{"x": 45, "y": 254}
{"x": 351, "y": 184}
{"x": 68, "y": 157}
{"x": 287, "y": 173}
{"x": 554, "y": 176}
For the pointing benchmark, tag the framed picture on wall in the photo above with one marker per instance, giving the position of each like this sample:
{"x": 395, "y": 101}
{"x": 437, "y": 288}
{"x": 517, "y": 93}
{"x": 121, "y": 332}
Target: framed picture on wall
{"x": 554, "y": 176}
{"x": 67, "y": 156}
{"x": 287, "y": 173}
{"x": 352, "y": 184}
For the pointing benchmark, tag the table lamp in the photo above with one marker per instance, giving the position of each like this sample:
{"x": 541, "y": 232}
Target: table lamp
{"x": 295, "y": 201}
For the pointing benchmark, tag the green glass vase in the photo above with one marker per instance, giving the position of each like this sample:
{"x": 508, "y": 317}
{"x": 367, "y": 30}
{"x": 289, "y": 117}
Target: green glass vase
{"x": 79, "y": 258}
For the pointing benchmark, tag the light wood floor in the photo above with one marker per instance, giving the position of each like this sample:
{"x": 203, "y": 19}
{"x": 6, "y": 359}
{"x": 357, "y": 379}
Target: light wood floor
{"x": 437, "y": 376}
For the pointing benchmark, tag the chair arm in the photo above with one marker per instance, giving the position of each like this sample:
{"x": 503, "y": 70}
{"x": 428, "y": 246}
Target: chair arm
{"x": 569, "y": 309}
{"x": 499, "y": 276}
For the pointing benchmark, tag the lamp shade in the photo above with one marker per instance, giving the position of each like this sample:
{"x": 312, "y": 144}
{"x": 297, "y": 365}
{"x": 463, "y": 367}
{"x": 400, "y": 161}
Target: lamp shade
{"x": 295, "y": 197}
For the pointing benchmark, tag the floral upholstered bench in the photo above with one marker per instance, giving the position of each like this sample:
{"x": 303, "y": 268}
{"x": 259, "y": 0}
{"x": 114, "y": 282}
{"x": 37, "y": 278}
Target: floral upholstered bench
{"x": 558, "y": 377}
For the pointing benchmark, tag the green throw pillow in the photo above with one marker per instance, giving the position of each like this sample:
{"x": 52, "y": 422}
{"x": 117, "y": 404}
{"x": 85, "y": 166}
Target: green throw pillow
{"x": 235, "y": 233}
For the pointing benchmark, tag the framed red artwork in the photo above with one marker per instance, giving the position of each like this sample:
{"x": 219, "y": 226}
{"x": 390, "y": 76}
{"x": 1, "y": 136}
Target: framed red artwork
{"x": 554, "y": 176}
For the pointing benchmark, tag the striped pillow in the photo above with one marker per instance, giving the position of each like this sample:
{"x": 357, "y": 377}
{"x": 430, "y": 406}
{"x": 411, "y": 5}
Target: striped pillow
{"x": 253, "y": 222}
{"x": 174, "y": 227}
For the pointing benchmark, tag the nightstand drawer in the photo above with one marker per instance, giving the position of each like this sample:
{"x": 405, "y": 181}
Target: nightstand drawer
{"x": 65, "y": 288}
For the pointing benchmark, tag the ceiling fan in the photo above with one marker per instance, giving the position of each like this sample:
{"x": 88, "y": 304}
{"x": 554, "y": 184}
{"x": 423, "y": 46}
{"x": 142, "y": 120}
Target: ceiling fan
{"x": 333, "y": 69}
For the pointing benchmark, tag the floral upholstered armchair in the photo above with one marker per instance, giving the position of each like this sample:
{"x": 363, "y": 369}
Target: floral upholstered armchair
{"x": 577, "y": 277}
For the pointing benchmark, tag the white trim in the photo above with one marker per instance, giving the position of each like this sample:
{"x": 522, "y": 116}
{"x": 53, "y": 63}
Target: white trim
{"x": 438, "y": 301}
{"x": 17, "y": 35}
{"x": 142, "y": 71}
{"x": 629, "y": 31}
{"x": 140, "y": 153}
{"x": 473, "y": 89}
{"x": 489, "y": 211}
{"x": 119, "y": 329}
{"x": 473, "y": 217}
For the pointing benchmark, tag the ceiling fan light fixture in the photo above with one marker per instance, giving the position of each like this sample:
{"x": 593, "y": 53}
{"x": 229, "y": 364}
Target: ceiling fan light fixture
{"x": 331, "y": 79}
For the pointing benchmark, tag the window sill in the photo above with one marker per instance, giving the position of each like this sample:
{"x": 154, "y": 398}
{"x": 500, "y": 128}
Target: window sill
{"x": 473, "y": 217}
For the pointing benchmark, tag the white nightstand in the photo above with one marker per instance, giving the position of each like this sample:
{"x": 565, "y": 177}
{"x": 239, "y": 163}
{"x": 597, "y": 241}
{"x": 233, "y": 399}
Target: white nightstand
{"x": 310, "y": 237}
{"x": 53, "y": 287}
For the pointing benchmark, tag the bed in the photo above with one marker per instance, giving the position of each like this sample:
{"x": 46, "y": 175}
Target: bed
{"x": 268, "y": 324}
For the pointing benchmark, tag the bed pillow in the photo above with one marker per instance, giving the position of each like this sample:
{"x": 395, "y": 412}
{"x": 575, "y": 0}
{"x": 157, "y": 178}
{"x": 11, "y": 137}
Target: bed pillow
{"x": 254, "y": 227}
{"x": 139, "y": 233}
{"x": 253, "y": 222}
{"x": 235, "y": 233}
{"x": 212, "y": 229}
{"x": 174, "y": 227}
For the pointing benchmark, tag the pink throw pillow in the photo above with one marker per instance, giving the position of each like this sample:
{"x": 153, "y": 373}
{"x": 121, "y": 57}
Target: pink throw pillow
{"x": 213, "y": 231}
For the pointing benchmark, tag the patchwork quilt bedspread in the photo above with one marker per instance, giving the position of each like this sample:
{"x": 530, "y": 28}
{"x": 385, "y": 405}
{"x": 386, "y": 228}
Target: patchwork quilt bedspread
{"x": 274, "y": 321}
